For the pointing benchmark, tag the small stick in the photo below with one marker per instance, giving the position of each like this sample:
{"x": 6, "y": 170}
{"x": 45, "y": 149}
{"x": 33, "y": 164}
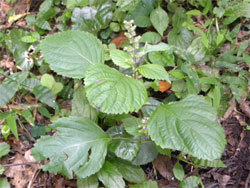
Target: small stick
{"x": 19, "y": 164}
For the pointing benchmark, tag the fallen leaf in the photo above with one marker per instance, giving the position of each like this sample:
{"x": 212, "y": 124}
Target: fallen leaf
{"x": 119, "y": 40}
{"x": 164, "y": 86}
{"x": 164, "y": 165}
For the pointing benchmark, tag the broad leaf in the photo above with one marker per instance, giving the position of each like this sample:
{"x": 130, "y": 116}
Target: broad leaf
{"x": 180, "y": 39}
{"x": 150, "y": 37}
{"x": 131, "y": 173}
{"x": 154, "y": 71}
{"x": 110, "y": 176}
{"x": 126, "y": 5}
{"x": 190, "y": 126}
{"x": 159, "y": 19}
{"x": 81, "y": 106}
{"x": 4, "y": 183}
{"x": 131, "y": 125}
{"x": 4, "y": 149}
{"x": 197, "y": 49}
{"x": 10, "y": 86}
{"x": 112, "y": 92}
{"x": 44, "y": 95}
{"x": 71, "y": 53}
{"x": 207, "y": 163}
{"x": 121, "y": 58}
{"x": 80, "y": 146}
{"x": 190, "y": 182}
{"x": 146, "y": 184}
{"x": 162, "y": 58}
{"x": 89, "y": 182}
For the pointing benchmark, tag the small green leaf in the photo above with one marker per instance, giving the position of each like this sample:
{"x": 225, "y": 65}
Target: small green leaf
{"x": 178, "y": 171}
{"x": 127, "y": 5}
{"x": 159, "y": 19}
{"x": 112, "y": 92}
{"x": 121, "y": 58}
{"x": 11, "y": 122}
{"x": 190, "y": 126}
{"x": 44, "y": 95}
{"x": 80, "y": 146}
{"x": 131, "y": 173}
{"x": 154, "y": 71}
{"x": 89, "y": 182}
{"x": 110, "y": 176}
{"x": 81, "y": 106}
{"x": 193, "y": 12}
{"x": 146, "y": 184}
{"x": 4, "y": 183}
{"x": 71, "y": 53}
{"x": 150, "y": 38}
{"x": 191, "y": 182}
{"x": 4, "y": 149}
{"x": 47, "y": 81}
{"x": 71, "y": 4}
{"x": 131, "y": 125}
{"x": 28, "y": 116}
{"x": 206, "y": 163}
{"x": 5, "y": 130}
{"x": 29, "y": 39}
{"x": 2, "y": 169}
{"x": 43, "y": 111}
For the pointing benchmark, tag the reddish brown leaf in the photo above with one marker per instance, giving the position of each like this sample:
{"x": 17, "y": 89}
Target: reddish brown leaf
{"x": 164, "y": 86}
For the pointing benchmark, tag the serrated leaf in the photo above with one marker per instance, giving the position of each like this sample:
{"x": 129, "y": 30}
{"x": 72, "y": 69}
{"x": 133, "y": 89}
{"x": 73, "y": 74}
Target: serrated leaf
{"x": 4, "y": 149}
{"x": 206, "y": 163}
{"x": 10, "y": 86}
{"x": 131, "y": 173}
{"x": 146, "y": 184}
{"x": 89, "y": 182}
{"x": 110, "y": 176}
{"x": 159, "y": 19}
{"x": 81, "y": 106}
{"x": 71, "y": 53}
{"x": 178, "y": 171}
{"x": 151, "y": 154}
{"x": 80, "y": 146}
{"x": 113, "y": 92}
{"x": 154, "y": 71}
{"x": 127, "y": 5}
{"x": 131, "y": 125}
{"x": 190, "y": 182}
{"x": 190, "y": 126}
{"x": 121, "y": 58}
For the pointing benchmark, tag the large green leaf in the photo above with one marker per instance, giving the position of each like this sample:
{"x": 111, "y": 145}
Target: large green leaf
{"x": 89, "y": 182}
{"x": 80, "y": 146}
{"x": 110, "y": 176}
{"x": 153, "y": 71}
{"x": 112, "y": 92}
{"x": 159, "y": 19}
{"x": 71, "y": 53}
{"x": 10, "y": 86}
{"x": 81, "y": 106}
{"x": 190, "y": 126}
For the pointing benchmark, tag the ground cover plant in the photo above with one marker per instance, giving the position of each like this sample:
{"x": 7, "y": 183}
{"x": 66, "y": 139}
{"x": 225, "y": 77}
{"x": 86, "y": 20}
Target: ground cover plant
{"x": 100, "y": 91}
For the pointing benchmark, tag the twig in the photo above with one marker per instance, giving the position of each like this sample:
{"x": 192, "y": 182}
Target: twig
{"x": 19, "y": 164}
{"x": 34, "y": 176}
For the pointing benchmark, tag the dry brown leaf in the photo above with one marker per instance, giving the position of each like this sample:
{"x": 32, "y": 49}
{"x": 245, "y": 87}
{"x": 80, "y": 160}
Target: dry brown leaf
{"x": 119, "y": 40}
{"x": 164, "y": 86}
{"x": 164, "y": 165}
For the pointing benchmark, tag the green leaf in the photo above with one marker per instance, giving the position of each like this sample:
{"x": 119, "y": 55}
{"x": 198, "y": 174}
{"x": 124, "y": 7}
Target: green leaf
{"x": 47, "y": 81}
{"x": 193, "y": 12}
{"x": 71, "y": 53}
{"x": 131, "y": 173}
{"x": 124, "y": 146}
{"x": 159, "y": 19}
{"x": 71, "y": 4}
{"x": 190, "y": 126}
{"x": 11, "y": 122}
{"x": 151, "y": 154}
{"x": 197, "y": 49}
{"x": 206, "y": 163}
{"x": 162, "y": 58}
{"x": 158, "y": 47}
{"x": 180, "y": 39}
{"x": 10, "y": 86}
{"x": 178, "y": 171}
{"x": 89, "y": 182}
{"x": 110, "y": 176}
{"x": 146, "y": 184}
{"x": 190, "y": 182}
{"x": 142, "y": 12}
{"x": 80, "y": 146}
{"x": 44, "y": 95}
{"x": 131, "y": 125}
{"x": 81, "y": 106}
{"x": 154, "y": 71}
{"x": 93, "y": 18}
{"x": 4, "y": 149}
{"x": 150, "y": 37}
{"x": 127, "y": 5}
{"x": 2, "y": 169}
{"x": 28, "y": 117}
{"x": 4, "y": 183}
{"x": 121, "y": 58}
{"x": 112, "y": 92}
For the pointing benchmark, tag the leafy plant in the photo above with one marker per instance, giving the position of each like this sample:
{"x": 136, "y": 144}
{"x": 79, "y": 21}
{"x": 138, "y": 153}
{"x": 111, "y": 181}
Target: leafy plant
{"x": 83, "y": 148}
